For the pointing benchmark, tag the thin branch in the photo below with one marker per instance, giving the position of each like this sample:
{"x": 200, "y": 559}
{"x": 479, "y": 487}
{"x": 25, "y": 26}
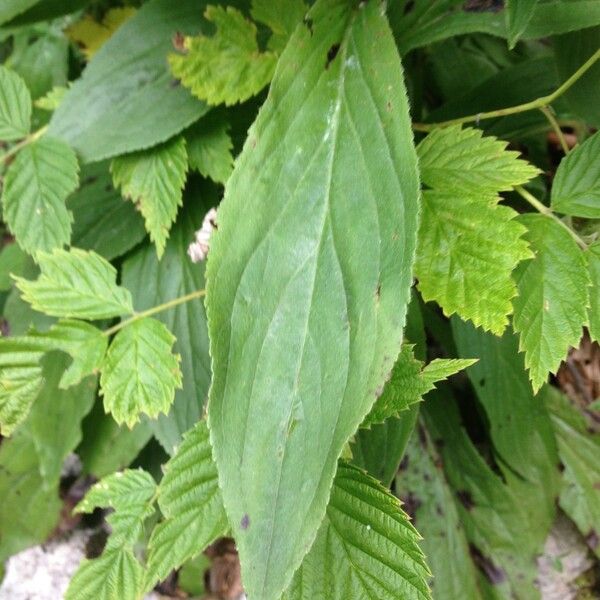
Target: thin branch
{"x": 152, "y": 311}
{"x": 32, "y": 137}
{"x": 549, "y": 114}
{"x": 547, "y": 211}
{"x": 519, "y": 108}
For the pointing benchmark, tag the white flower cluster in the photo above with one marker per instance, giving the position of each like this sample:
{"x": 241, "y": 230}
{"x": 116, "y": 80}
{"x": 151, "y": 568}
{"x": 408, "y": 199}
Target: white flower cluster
{"x": 198, "y": 249}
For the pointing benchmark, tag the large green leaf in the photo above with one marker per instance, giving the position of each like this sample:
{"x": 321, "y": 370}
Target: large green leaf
{"x": 15, "y": 106}
{"x": 453, "y": 158}
{"x": 519, "y": 425}
{"x": 366, "y": 547}
{"x": 576, "y": 185}
{"x": 126, "y": 99}
{"x": 468, "y": 249}
{"x": 154, "y": 282}
{"x": 115, "y": 574}
{"x": 140, "y": 372}
{"x": 305, "y": 310}
{"x": 593, "y": 259}
{"x": 154, "y": 179}
{"x": 76, "y": 284}
{"x": 551, "y": 307}
{"x": 579, "y": 450}
{"x": 190, "y": 500}
{"x": 36, "y": 186}
{"x": 228, "y": 66}
{"x": 103, "y": 221}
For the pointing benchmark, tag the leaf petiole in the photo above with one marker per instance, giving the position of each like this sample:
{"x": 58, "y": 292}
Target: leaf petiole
{"x": 154, "y": 310}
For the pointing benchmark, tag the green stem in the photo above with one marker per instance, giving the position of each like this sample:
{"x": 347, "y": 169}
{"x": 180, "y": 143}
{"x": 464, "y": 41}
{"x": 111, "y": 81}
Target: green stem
{"x": 519, "y": 108}
{"x": 548, "y": 113}
{"x": 153, "y": 311}
{"x": 32, "y": 137}
{"x": 545, "y": 210}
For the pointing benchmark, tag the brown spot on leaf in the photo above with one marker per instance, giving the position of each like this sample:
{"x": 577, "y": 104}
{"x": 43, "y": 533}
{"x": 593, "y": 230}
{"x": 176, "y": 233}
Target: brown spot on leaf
{"x": 245, "y": 522}
{"x": 411, "y": 504}
{"x": 495, "y": 574}
{"x": 179, "y": 42}
{"x": 465, "y": 499}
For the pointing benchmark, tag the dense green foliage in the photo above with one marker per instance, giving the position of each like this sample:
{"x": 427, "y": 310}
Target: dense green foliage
{"x": 403, "y": 191}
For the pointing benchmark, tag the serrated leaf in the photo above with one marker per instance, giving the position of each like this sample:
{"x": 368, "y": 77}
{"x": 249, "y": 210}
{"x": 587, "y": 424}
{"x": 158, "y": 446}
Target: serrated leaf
{"x": 36, "y": 186}
{"x": 593, "y": 261}
{"x": 366, "y": 547}
{"x": 409, "y": 382}
{"x": 453, "y": 158}
{"x": 551, "y": 307}
{"x": 576, "y": 185}
{"x": 116, "y": 574}
{"x": 579, "y": 451}
{"x": 209, "y": 148}
{"x": 227, "y": 67}
{"x": 154, "y": 282}
{"x": 190, "y": 500}
{"x": 83, "y": 342}
{"x": 31, "y": 460}
{"x": 125, "y": 100}
{"x": 518, "y": 15}
{"x": 305, "y": 310}
{"x": 153, "y": 179}
{"x": 12, "y": 262}
{"x": 468, "y": 248}
{"x": 20, "y": 380}
{"x": 15, "y": 106}
{"x": 281, "y": 16}
{"x": 103, "y": 221}
{"x": 76, "y": 284}
{"x": 140, "y": 372}
{"x": 51, "y": 101}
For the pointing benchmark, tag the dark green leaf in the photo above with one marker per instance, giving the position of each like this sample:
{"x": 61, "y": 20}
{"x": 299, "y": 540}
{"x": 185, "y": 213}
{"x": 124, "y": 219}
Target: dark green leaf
{"x": 126, "y": 99}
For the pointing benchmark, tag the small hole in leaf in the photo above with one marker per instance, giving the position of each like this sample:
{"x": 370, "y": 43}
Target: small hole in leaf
{"x": 331, "y": 54}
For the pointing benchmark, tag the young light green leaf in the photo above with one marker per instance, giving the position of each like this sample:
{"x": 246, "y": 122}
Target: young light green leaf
{"x": 551, "y": 307}
{"x": 140, "y": 372}
{"x": 576, "y": 185}
{"x": 367, "y": 541}
{"x": 36, "y": 186}
{"x": 410, "y": 381}
{"x": 281, "y": 16}
{"x": 468, "y": 249}
{"x": 579, "y": 450}
{"x": 15, "y": 106}
{"x": 593, "y": 260}
{"x": 153, "y": 179}
{"x": 190, "y": 500}
{"x": 116, "y": 574}
{"x": 76, "y": 284}
{"x": 227, "y": 67}
{"x": 452, "y": 158}
{"x": 125, "y": 100}
{"x": 209, "y": 148}
{"x": 518, "y": 15}
{"x": 296, "y": 286}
